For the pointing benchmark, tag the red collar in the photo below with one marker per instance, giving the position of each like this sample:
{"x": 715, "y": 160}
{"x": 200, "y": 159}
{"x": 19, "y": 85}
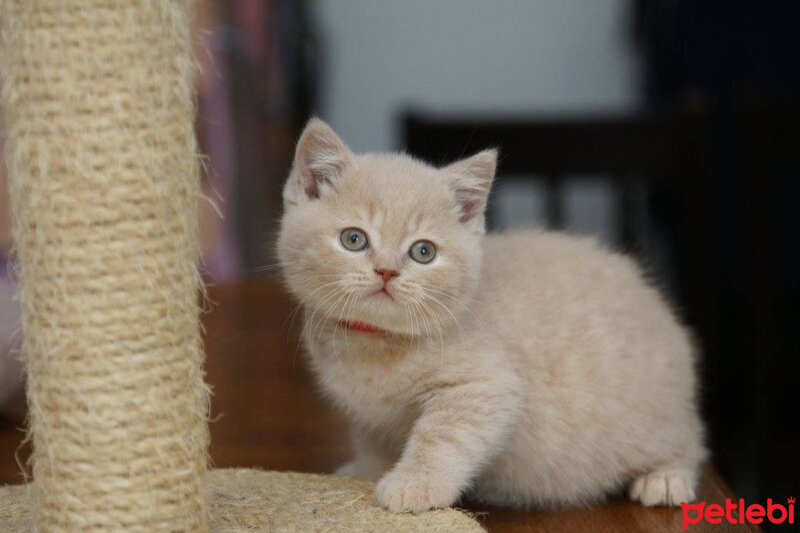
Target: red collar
{"x": 362, "y": 327}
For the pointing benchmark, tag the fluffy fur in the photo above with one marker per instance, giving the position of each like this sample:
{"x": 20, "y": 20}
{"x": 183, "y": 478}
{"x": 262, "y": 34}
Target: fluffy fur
{"x": 527, "y": 368}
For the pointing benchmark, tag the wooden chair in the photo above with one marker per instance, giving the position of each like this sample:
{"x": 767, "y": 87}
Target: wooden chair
{"x": 667, "y": 150}
{"x": 656, "y": 147}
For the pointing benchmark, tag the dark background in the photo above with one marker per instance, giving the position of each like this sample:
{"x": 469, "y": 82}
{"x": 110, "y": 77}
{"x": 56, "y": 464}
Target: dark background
{"x": 738, "y": 61}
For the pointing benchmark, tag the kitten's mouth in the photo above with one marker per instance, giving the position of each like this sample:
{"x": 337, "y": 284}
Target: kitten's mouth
{"x": 383, "y": 293}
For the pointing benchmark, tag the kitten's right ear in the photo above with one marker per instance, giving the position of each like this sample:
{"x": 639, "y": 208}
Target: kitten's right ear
{"x": 319, "y": 159}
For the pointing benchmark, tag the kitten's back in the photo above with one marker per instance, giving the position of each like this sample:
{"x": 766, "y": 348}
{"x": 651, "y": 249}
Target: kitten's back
{"x": 608, "y": 369}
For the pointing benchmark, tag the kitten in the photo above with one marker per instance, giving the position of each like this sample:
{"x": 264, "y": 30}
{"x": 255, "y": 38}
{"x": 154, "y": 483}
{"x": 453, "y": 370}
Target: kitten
{"x": 527, "y": 368}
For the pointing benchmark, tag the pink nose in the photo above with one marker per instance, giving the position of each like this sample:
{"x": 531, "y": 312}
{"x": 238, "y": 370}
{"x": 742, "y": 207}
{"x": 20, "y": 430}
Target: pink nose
{"x": 386, "y": 274}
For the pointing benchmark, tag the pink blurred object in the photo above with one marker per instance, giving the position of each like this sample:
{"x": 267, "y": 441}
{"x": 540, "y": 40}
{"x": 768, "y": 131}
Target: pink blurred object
{"x": 11, "y": 383}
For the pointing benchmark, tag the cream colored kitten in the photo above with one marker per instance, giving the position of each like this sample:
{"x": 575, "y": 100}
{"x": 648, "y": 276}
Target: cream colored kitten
{"x": 526, "y": 368}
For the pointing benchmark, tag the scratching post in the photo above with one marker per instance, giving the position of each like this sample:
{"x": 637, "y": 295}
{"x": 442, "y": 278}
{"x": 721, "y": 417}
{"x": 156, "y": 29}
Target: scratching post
{"x": 98, "y": 104}
{"x": 99, "y": 114}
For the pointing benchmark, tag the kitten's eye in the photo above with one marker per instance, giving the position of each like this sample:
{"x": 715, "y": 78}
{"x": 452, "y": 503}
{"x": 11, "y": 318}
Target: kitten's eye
{"x": 354, "y": 239}
{"x": 422, "y": 251}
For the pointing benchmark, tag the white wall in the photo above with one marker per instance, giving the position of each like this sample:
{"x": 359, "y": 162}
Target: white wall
{"x": 532, "y": 56}
{"x": 547, "y": 56}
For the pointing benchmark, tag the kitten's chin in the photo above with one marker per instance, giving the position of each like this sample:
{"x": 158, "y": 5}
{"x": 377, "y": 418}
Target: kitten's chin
{"x": 389, "y": 313}
{"x": 382, "y": 311}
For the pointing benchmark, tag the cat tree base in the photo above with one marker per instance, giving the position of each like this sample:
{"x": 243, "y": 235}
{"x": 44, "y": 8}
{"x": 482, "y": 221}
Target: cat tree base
{"x": 254, "y": 500}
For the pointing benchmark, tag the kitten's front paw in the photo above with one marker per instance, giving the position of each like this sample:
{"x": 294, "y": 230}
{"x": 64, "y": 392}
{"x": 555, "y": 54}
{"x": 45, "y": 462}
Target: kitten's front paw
{"x": 401, "y": 491}
{"x": 670, "y": 487}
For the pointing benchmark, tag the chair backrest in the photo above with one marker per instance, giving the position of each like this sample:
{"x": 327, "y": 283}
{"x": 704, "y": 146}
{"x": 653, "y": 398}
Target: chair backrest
{"x": 655, "y": 147}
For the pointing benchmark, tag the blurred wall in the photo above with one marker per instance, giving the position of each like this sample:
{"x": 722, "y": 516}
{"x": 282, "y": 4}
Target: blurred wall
{"x": 535, "y": 56}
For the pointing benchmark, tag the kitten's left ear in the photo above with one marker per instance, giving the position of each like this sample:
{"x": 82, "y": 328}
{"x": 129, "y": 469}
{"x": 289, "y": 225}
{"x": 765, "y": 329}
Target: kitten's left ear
{"x": 471, "y": 179}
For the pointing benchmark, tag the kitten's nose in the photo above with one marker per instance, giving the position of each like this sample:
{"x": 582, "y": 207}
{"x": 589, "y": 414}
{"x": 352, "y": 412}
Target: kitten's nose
{"x": 386, "y": 273}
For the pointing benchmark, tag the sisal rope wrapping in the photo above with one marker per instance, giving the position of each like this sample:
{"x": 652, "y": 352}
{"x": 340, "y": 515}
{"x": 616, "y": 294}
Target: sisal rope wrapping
{"x": 285, "y": 502}
{"x": 98, "y": 103}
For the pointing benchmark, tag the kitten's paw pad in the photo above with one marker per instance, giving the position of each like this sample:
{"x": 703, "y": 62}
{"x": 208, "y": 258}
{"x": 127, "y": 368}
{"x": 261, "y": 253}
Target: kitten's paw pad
{"x": 668, "y": 487}
{"x": 400, "y": 492}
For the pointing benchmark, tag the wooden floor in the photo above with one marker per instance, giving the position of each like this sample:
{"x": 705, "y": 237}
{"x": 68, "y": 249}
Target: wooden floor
{"x": 266, "y": 414}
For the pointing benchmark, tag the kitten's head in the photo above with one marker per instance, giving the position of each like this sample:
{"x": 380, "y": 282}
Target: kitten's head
{"x": 382, "y": 239}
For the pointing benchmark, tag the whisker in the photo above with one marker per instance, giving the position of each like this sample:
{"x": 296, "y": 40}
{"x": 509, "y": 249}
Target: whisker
{"x": 423, "y": 319}
{"x": 419, "y": 305}
{"x": 264, "y": 268}
{"x": 301, "y": 303}
{"x": 450, "y": 296}
{"x": 340, "y": 293}
{"x": 447, "y": 309}
{"x": 411, "y": 323}
{"x": 416, "y": 329}
{"x": 441, "y": 329}
{"x": 343, "y": 314}
{"x": 323, "y": 301}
